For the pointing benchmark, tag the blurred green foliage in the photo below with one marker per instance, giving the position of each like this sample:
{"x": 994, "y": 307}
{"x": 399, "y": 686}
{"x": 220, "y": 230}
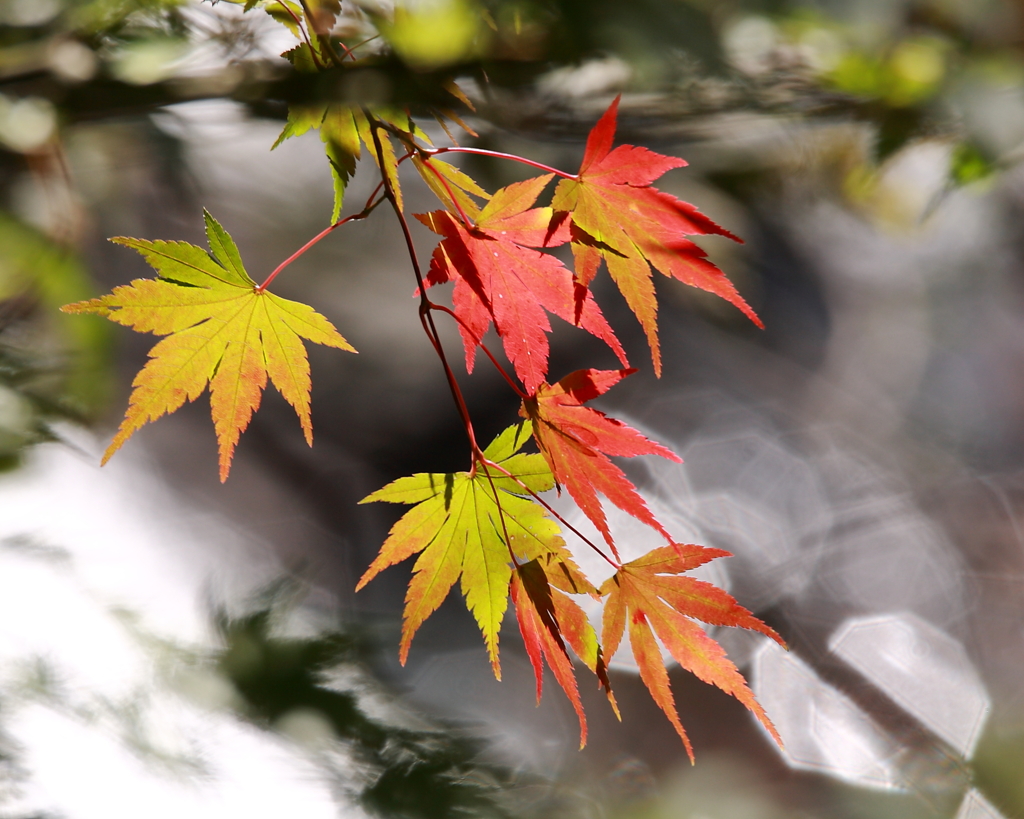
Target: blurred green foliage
{"x": 998, "y": 769}
{"x": 50, "y": 368}
{"x": 910, "y": 68}
{"x": 418, "y": 774}
{"x": 37, "y": 276}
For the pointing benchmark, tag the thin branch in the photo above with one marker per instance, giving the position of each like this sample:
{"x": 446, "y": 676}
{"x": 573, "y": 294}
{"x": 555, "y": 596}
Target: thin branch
{"x": 483, "y": 347}
{"x": 500, "y": 155}
{"x": 426, "y": 316}
{"x": 366, "y": 211}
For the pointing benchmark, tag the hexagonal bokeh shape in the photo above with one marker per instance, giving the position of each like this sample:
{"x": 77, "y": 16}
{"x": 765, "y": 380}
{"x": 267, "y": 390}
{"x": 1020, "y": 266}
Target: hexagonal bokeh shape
{"x": 923, "y": 670}
{"x": 822, "y": 729}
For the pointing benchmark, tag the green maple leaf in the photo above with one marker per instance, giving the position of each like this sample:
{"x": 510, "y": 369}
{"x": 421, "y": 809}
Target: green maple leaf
{"x": 342, "y": 128}
{"x": 467, "y": 527}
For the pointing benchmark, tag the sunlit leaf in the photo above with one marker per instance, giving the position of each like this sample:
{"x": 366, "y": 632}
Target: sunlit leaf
{"x": 221, "y": 331}
{"x": 468, "y": 526}
{"x": 652, "y": 598}
{"x": 618, "y": 217}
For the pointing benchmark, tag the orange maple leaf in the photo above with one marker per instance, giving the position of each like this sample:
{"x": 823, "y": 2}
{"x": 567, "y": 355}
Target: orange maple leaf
{"x": 548, "y": 619}
{"x": 652, "y": 596}
{"x": 617, "y": 216}
{"x": 576, "y": 440}
{"x": 500, "y": 276}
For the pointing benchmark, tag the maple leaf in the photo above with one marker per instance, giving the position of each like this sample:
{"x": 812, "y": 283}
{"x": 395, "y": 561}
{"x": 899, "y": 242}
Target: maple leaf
{"x": 654, "y": 599}
{"x": 576, "y": 440}
{"x": 451, "y": 185}
{"x": 221, "y": 330}
{"x": 500, "y": 276}
{"x": 617, "y": 216}
{"x": 548, "y": 619}
{"x": 342, "y": 127}
{"x": 285, "y": 12}
{"x": 468, "y": 526}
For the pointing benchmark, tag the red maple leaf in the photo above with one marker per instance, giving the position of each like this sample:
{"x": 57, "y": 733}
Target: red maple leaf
{"x": 652, "y": 596}
{"x": 500, "y": 276}
{"x": 549, "y": 620}
{"x": 617, "y": 216}
{"x": 576, "y": 441}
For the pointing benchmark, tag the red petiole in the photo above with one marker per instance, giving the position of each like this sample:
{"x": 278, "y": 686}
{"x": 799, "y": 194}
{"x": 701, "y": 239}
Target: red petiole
{"x": 499, "y": 155}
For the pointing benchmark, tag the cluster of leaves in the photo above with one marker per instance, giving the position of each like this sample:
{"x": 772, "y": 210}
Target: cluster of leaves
{"x": 490, "y": 528}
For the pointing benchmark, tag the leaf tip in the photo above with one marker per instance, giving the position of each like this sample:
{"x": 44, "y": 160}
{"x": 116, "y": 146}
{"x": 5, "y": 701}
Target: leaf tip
{"x": 126, "y": 241}
{"x": 368, "y": 575}
{"x": 225, "y": 466}
{"x": 123, "y": 434}
{"x": 768, "y": 631}
{"x": 97, "y": 306}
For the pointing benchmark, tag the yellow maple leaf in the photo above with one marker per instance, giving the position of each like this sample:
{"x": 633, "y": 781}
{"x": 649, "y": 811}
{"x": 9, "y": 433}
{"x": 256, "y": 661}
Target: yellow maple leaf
{"x": 221, "y": 330}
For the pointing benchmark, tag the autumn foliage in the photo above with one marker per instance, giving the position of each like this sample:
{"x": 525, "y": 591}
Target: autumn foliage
{"x": 491, "y": 528}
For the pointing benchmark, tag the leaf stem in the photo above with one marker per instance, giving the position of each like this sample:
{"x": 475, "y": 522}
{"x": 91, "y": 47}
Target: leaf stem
{"x": 357, "y": 45}
{"x": 426, "y": 316}
{"x": 456, "y": 149}
{"x": 489, "y": 463}
{"x": 345, "y": 48}
{"x": 483, "y": 347}
{"x": 366, "y": 211}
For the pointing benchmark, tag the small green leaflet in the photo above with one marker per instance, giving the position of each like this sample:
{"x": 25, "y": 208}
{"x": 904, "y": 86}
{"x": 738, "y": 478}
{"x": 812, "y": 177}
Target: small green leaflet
{"x": 341, "y": 129}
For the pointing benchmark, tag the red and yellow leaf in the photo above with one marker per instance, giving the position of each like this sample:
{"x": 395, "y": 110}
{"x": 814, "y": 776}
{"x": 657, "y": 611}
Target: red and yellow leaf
{"x": 542, "y": 633}
{"x": 501, "y": 277}
{"x": 220, "y": 331}
{"x": 655, "y": 599}
{"x": 617, "y": 216}
{"x": 576, "y": 442}
{"x": 451, "y": 185}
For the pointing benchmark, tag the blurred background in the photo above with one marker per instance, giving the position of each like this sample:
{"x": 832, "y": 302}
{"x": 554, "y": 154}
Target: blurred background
{"x": 172, "y": 646}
